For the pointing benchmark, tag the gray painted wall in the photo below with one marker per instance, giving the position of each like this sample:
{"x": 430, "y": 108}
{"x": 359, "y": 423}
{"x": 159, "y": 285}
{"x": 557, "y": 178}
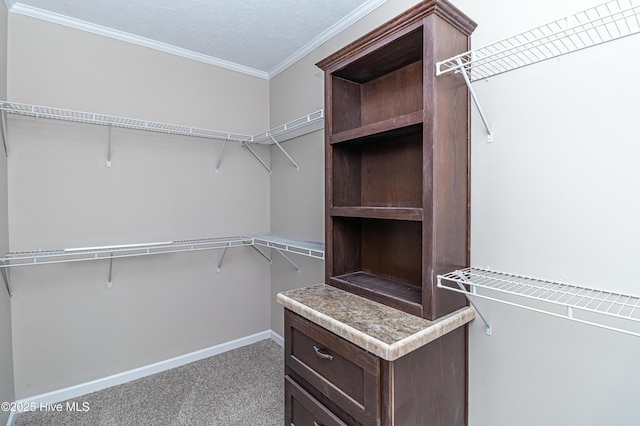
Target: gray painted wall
{"x": 68, "y": 326}
{"x": 6, "y": 353}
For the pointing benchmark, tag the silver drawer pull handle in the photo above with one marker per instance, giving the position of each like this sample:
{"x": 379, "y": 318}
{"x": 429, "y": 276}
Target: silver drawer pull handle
{"x": 316, "y": 423}
{"x": 322, "y": 354}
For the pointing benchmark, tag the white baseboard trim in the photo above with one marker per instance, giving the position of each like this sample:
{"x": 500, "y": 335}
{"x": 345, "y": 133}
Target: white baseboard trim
{"x": 138, "y": 373}
{"x": 276, "y": 338}
{"x": 12, "y": 418}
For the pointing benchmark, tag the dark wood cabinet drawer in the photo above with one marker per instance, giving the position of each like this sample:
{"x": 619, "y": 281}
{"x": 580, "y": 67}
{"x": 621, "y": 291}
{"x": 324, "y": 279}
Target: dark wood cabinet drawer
{"x": 302, "y": 409}
{"x": 342, "y": 372}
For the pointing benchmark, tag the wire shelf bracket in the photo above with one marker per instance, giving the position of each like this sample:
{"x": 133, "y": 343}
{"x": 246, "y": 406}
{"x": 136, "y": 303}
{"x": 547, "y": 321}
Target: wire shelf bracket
{"x": 593, "y": 307}
{"x": 5, "y": 277}
{"x": 600, "y": 24}
{"x": 285, "y": 153}
{"x": 224, "y": 143}
{"x": 291, "y": 262}
{"x": 291, "y": 130}
{"x": 3, "y": 118}
{"x": 474, "y": 97}
{"x": 461, "y": 284}
{"x": 257, "y": 157}
{"x": 109, "y": 147}
{"x": 110, "y": 280}
{"x": 263, "y": 254}
{"x": 219, "y": 267}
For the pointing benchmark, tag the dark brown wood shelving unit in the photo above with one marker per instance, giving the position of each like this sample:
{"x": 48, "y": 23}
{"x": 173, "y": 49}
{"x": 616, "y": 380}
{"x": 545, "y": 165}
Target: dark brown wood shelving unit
{"x": 397, "y": 181}
{"x": 397, "y": 197}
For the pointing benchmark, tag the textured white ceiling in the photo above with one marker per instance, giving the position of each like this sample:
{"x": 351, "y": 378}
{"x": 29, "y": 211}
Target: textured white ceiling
{"x": 258, "y": 35}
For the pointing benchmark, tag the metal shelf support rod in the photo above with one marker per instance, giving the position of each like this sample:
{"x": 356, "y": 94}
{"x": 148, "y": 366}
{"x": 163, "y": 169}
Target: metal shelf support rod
{"x": 475, "y": 100}
{"x": 109, "y": 146}
{"x": 284, "y": 152}
{"x": 224, "y": 143}
{"x": 257, "y": 157}
{"x": 110, "y": 281}
{"x": 288, "y": 260}
{"x": 488, "y": 330}
{"x": 5, "y": 141}
{"x": 219, "y": 267}
{"x": 262, "y": 253}
{"x": 5, "y": 277}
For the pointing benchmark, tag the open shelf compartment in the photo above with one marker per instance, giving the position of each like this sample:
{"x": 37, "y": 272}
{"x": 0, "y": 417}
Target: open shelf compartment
{"x": 374, "y": 88}
{"x": 380, "y": 259}
{"x": 384, "y": 174}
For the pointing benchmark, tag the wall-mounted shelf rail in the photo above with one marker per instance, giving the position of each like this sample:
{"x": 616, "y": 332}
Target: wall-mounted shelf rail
{"x": 115, "y": 121}
{"x": 43, "y": 257}
{"x": 605, "y": 309}
{"x": 307, "y": 124}
{"x": 606, "y": 22}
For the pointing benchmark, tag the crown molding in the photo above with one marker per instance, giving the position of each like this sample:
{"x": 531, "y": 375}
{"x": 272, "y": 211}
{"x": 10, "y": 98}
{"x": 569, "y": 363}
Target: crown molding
{"x": 130, "y": 38}
{"x": 330, "y": 32}
{"x": 56, "y": 18}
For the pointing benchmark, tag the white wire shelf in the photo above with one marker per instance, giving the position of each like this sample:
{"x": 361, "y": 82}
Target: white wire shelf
{"x": 603, "y": 23}
{"x": 585, "y": 305}
{"x": 303, "y": 125}
{"x": 115, "y": 121}
{"x": 302, "y": 247}
{"x": 600, "y": 24}
{"x": 44, "y": 257}
{"x": 293, "y": 129}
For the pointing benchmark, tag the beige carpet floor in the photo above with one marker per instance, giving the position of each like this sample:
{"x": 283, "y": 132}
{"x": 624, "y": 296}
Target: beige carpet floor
{"x": 240, "y": 387}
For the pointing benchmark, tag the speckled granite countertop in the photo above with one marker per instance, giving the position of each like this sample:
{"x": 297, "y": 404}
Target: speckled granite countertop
{"x": 376, "y": 328}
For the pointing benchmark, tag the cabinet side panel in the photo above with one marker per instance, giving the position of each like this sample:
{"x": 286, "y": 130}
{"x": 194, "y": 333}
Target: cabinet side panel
{"x": 449, "y": 166}
{"x": 346, "y": 243}
{"x": 345, "y": 101}
{"x": 346, "y": 175}
{"x": 328, "y": 177}
{"x": 429, "y": 384}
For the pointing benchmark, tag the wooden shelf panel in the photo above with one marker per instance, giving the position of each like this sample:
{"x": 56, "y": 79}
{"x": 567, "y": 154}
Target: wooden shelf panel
{"x": 393, "y": 127}
{"x": 394, "y": 213}
{"x": 390, "y": 292}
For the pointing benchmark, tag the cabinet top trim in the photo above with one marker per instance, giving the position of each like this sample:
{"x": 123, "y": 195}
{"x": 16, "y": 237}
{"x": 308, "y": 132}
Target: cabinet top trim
{"x": 440, "y": 8}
